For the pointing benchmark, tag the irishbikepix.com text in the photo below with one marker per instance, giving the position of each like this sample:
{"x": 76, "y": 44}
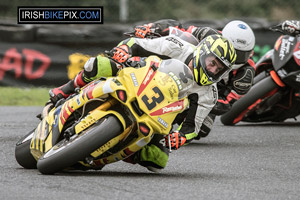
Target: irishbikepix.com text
{"x": 42, "y": 15}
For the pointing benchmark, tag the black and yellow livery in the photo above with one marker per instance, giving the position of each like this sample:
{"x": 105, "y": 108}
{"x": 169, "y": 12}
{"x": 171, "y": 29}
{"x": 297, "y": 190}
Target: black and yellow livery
{"x": 120, "y": 114}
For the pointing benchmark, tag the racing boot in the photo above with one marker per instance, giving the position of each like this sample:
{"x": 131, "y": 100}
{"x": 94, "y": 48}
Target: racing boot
{"x": 150, "y": 157}
{"x": 153, "y": 156}
{"x": 67, "y": 89}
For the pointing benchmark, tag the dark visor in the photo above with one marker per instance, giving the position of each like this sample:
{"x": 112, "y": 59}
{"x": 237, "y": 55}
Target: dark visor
{"x": 242, "y": 56}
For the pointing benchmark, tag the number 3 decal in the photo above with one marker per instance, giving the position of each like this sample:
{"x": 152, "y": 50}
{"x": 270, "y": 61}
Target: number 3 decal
{"x": 152, "y": 103}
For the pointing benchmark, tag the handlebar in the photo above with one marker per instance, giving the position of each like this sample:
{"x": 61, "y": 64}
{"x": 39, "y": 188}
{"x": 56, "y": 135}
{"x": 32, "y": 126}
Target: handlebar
{"x": 150, "y": 36}
{"x": 277, "y": 28}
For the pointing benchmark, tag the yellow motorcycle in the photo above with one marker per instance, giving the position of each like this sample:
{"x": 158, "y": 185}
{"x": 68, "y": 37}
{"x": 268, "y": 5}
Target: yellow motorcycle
{"x": 108, "y": 120}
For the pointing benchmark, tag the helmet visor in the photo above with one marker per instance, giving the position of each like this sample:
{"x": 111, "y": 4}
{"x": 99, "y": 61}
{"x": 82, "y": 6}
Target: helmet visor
{"x": 242, "y": 56}
{"x": 213, "y": 67}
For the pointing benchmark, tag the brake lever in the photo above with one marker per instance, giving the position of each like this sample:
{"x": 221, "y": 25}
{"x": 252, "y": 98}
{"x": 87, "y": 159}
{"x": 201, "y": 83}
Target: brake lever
{"x": 130, "y": 34}
{"x": 150, "y": 36}
{"x": 277, "y": 28}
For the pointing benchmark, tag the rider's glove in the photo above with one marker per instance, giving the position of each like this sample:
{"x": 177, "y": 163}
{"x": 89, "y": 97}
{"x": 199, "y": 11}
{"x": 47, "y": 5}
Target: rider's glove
{"x": 175, "y": 140}
{"x": 120, "y": 54}
{"x": 143, "y": 31}
{"x": 291, "y": 27}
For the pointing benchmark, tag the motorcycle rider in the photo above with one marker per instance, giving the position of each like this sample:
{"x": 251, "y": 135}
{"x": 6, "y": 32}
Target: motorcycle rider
{"x": 238, "y": 82}
{"x": 210, "y": 61}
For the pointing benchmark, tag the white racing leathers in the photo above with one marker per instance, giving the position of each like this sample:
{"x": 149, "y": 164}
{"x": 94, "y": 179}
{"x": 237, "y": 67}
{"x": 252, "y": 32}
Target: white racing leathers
{"x": 202, "y": 98}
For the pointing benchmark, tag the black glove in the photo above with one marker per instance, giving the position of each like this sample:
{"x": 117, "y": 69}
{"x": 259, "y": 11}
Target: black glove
{"x": 291, "y": 27}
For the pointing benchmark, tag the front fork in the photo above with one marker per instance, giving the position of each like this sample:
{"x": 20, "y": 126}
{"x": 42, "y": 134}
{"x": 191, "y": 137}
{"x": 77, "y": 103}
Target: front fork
{"x": 169, "y": 141}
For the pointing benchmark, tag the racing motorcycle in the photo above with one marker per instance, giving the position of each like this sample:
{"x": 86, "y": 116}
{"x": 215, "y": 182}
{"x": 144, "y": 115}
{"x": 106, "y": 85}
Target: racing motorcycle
{"x": 275, "y": 93}
{"x": 108, "y": 120}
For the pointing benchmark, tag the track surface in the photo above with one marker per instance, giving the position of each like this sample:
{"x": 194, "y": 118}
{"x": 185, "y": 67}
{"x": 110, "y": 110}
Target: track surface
{"x": 247, "y": 161}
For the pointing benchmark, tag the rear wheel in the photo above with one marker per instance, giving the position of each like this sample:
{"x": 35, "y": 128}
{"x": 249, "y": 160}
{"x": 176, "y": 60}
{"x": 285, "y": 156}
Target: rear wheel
{"x": 239, "y": 108}
{"x": 23, "y": 154}
{"x": 68, "y": 152}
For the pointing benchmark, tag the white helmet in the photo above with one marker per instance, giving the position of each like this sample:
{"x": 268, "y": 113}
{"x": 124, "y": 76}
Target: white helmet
{"x": 242, "y": 37}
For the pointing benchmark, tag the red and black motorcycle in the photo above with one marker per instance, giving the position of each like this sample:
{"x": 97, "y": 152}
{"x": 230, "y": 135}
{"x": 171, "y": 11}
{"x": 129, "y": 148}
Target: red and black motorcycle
{"x": 274, "y": 95}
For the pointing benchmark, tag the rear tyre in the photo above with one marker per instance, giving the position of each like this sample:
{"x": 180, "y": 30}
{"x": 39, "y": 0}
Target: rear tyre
{"x": 68, "y": 152}
{"x": 23, "y": 154}
{"x": 256, "y": 92}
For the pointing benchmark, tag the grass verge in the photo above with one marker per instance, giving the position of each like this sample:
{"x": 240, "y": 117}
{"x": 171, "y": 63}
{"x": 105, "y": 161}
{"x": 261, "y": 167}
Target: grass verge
{"x": 12, "y": 96}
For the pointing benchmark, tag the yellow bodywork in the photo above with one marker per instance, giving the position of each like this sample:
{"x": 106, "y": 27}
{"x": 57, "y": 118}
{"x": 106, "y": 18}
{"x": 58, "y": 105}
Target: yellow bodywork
{"x": 156, "y": 94}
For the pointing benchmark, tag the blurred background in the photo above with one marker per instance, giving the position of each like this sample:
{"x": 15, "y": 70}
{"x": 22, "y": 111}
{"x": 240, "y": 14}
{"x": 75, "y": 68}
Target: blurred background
{"x": 50, "y": 54}
{"x": 134, "y": 11}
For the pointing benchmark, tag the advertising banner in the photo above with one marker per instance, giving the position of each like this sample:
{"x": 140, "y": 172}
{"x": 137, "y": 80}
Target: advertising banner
{"x": 27, "y": 64}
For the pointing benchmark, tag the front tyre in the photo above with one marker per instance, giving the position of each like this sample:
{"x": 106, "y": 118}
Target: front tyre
{"x": 23, "y": 154}
{"x": 240, "y": 107}
{"x": 68, "y": 152}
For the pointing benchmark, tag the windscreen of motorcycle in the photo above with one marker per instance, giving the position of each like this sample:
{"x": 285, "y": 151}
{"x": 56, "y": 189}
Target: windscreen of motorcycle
{"x": 180, "y": 73}
{"x": 186, "y": 36}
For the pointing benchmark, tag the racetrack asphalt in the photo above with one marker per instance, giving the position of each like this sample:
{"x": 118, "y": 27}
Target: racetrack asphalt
{"x": 246, "y": 161}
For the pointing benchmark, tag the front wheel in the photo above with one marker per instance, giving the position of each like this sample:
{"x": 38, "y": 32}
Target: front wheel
{"x": 239, "y": 108}
{"x": 68, "y": 152}
{"x": 23, "y": 154}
